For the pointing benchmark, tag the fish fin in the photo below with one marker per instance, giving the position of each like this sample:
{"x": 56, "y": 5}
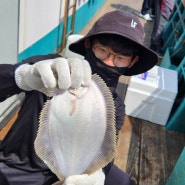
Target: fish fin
{"x": 42, "y": 144}
{"x": 108, "y": 148}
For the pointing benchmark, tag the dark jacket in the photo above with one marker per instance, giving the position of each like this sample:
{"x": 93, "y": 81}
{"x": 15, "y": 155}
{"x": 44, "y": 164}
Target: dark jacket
{"x": 17, "y": 148}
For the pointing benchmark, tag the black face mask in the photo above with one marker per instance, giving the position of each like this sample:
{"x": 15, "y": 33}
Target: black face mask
{"x": 108, "y": 73}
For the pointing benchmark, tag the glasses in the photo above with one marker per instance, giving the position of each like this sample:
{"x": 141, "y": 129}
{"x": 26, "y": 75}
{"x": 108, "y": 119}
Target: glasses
{"x": 103, "y": 53}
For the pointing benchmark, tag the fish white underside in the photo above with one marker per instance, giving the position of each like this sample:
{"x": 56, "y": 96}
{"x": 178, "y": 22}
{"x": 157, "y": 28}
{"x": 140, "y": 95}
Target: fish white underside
{"x": 77, "y": 133}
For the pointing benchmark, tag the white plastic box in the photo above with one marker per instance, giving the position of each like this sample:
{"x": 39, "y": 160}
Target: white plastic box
{"x": 150, "y": 96}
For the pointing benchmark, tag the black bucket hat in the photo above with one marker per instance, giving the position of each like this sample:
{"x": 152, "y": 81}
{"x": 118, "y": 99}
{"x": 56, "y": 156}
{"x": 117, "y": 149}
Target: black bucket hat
{"x": 126, "y": 25}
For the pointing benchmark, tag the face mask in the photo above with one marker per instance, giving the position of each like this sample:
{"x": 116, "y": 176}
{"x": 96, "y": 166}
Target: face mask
{"x": 108, "y": 73}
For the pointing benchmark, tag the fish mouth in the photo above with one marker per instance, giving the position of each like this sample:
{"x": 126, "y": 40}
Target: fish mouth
{"x": 79, "y": 92}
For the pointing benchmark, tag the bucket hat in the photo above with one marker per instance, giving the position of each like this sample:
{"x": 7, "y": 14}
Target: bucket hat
{"x": 126, "y": 25}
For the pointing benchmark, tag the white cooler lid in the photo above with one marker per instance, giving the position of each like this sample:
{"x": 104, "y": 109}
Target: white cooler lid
{"x": 158, "y": 80}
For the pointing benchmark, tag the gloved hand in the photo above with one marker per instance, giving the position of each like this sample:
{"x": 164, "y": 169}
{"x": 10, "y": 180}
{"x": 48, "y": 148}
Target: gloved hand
{"x": 59, "y": 73}
{"x": 96, "y": 178}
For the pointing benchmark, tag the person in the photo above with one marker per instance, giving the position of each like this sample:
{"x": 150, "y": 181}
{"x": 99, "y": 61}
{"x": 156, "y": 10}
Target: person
{"x": 113, "y": 47}
{"x": 146, "y": 7}
{"x": 163, "y": 9}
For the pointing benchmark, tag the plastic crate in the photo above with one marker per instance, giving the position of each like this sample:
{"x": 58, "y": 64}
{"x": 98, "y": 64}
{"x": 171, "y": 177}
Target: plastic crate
{"x": 174, "y": 32}
{"x": 177, "y": 116}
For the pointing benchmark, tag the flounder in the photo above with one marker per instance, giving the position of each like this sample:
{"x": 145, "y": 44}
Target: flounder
{"x": 76, "y": 132}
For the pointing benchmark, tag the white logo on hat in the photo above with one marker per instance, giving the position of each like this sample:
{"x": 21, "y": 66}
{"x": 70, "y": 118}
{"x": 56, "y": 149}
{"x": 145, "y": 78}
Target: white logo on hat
{"x": 133, "y": 24}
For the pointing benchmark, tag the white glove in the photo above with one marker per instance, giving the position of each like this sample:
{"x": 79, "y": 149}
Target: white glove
{"x": 59, "y": 73}
{"x": 97, "y": 178}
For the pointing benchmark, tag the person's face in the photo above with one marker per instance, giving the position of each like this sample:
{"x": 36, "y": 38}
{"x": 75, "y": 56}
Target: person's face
{"x": 110, "y": 57}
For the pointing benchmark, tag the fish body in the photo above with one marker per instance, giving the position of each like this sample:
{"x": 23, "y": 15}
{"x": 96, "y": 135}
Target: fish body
{"x": 76, "y": 133}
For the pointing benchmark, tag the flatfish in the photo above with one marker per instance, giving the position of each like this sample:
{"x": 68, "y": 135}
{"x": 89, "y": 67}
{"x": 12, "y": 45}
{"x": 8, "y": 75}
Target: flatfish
{"x": 76, "y": 132}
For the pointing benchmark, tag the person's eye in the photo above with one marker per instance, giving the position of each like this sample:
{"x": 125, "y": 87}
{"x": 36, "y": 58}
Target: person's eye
{"x": 122, "y": 58}
{"x": 103, "y": 50}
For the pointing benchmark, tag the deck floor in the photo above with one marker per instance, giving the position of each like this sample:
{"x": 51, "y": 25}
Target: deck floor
{"x": 147, "y": 152}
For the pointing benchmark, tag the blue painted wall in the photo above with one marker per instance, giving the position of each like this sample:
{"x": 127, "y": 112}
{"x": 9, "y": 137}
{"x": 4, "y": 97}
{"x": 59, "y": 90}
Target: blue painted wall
{"x": 52, "y": 41}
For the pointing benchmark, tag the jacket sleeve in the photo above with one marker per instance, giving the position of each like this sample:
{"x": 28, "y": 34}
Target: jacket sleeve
{"x": 8, "y": 86}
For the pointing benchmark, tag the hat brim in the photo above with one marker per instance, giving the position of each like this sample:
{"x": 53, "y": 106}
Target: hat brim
{"x": 147, "y": 58}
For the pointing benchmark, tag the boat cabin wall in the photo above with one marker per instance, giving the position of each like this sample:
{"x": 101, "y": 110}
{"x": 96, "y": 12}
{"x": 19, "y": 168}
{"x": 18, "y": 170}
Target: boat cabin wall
{"x": 35, "y": 27}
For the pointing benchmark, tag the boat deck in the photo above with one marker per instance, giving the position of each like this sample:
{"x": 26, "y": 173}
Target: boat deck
{"x": 146, "y": 151}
